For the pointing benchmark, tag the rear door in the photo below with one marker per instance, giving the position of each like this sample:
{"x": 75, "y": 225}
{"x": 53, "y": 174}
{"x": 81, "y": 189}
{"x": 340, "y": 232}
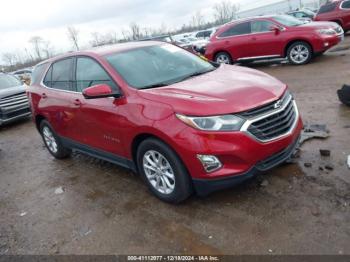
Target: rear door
{"x": 236, "y": 40}
{"x": 99, "y": 121}
{"x": 264, "y": 42}
{"x": 59, "y": 99}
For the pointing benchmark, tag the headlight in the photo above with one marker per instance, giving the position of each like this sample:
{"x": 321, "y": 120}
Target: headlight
{"x": 327, "y": 31}
{"x": 213, "y": 123}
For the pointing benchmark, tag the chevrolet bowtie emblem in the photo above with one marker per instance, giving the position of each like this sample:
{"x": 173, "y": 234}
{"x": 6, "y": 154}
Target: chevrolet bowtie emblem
{"x": 278, "y": 104}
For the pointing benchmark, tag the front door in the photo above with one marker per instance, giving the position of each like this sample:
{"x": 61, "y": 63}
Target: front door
{"x": 99, "y": 119}
{"x": 265, "y": 42}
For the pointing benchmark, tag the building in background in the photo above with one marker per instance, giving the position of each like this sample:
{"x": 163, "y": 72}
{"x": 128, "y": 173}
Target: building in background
{"x": 278, "y": 7}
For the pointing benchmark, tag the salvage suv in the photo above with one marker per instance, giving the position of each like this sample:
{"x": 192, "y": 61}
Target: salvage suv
{"x": 336, "y": 11}
{"x": 268, "y": 37}
{"x": 182, "y": 123}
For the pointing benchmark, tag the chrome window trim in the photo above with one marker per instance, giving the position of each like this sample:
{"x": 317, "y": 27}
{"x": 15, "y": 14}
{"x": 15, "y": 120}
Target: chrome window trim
{"x": 248, "y": 122}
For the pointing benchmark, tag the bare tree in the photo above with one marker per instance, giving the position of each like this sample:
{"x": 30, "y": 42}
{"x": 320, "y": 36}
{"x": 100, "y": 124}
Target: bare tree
{"x": 37, "y": 41}
{"x": 9, "y": 58}
{"x": 47, "y": 49}
{"x": 135, "y": 31}
{"x": 103, "y": 39}
{"x": 225, "y": 11}
{"x": 73, "y": 34}
{"x": 198, "y": 20}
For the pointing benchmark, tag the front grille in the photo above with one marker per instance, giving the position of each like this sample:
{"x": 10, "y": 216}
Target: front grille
{"x": 14, "y": 105}
{"x": 273, "y": 123}
{"x": 264, "y": 109}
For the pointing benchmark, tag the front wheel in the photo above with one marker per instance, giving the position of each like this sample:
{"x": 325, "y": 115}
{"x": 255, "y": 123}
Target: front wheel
{"x": 299, "y": 53}
{"x": 163, "y": 171}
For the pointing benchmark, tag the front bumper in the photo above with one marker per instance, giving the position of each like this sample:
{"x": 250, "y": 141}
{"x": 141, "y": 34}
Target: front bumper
{"x": 204, "y": 187}
{"x": 15, "y": 114}
{"x": 327, "y": 42}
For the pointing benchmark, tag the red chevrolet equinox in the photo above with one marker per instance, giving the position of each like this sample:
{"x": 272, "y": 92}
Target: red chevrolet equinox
{"x": 182, "y": 123}
{"x": 267, "y": 37}
{"x": 336, "y": 11}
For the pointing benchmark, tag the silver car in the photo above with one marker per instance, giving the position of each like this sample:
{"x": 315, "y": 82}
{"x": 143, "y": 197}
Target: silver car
{"x": 13, "y": 99}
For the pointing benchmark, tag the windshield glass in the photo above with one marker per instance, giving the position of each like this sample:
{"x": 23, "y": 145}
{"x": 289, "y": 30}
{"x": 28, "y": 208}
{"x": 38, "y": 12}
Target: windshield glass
{"x": 287, "y": 20}
{"x": 157, "y": 65}
{"x": 7, "y": 81}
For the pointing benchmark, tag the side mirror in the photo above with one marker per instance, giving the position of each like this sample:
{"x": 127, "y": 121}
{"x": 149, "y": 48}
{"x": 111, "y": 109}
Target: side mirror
{"x": 275, "y": 29}
{"x": 99, "y": 91}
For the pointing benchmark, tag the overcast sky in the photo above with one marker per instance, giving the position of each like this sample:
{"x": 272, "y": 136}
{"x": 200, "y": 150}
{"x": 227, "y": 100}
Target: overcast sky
{"x": 22, "y": 19}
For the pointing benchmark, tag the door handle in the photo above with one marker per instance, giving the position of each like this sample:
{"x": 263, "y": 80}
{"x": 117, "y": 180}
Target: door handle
{"x": 43, "y": 95}
{"x": 254, "y": 38}
{"x": 77, "y": 102}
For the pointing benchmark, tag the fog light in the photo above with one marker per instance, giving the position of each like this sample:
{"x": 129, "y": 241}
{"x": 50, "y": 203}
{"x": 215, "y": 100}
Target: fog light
{"x": 326, "y": 44}
{"x": 210, "y": 163}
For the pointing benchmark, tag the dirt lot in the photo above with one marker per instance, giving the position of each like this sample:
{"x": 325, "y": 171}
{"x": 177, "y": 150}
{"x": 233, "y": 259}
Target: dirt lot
{"x": 104, "y": 209}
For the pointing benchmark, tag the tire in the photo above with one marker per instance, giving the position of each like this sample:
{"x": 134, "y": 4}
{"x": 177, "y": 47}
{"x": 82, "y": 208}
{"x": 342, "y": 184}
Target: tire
{"x": 176, "y": 185}
{"x": 223, "y": 58}
{"x": 299, "y": 53}
{"x": 52, "y": 141}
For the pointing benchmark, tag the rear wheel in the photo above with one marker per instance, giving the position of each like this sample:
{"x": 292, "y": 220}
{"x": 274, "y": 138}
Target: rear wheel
{"x": 53, "y": 142}
{"x": 163, "y": 171}
{"x": 223, "y": 58}
{"x": 299, "y": 53}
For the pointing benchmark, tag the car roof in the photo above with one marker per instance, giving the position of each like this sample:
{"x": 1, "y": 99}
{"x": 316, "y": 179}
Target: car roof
{"x": 106, "y": 50}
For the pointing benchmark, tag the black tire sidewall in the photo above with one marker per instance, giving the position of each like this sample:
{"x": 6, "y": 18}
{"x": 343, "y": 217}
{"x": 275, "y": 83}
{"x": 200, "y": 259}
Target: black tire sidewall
{"x": 300, "y": 43}
{"x": 183, "y": 184}
{"x": 223, "y": 53}
{"x": 62, "y": 152}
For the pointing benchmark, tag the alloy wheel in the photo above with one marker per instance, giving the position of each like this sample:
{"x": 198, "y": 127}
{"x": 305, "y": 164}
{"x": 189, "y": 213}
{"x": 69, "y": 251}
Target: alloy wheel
{"x": 223, "y": 59}
{"x": 299, "y": 54}
{"x": 50, "y": 140}
{"x": 159, "y": 172}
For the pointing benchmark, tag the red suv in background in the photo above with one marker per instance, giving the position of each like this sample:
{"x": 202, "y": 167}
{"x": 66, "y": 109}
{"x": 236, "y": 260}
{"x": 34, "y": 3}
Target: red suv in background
{"x": 183, "y": 123}
{"x": 277, "y": 36}
{"x": 337, "y": 11}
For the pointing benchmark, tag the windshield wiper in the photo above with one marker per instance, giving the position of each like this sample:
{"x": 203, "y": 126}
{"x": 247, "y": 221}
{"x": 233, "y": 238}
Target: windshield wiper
{"x": 196, "y": 74}
{"x": 154, "y": 86}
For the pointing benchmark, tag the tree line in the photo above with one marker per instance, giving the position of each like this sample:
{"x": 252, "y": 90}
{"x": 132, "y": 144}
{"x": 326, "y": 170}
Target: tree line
{"x": 42, "y": 49}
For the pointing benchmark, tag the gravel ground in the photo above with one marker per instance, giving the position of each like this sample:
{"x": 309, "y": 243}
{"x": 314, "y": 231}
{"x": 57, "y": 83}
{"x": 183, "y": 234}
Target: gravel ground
{"x": 86, "y": 206}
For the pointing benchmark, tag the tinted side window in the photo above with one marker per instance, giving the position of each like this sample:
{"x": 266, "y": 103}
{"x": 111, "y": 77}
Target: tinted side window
{"x": 37, "y": 73}
{"x": 200, "y": 34}
{"x": 327, "y": 8}
{"x": 90, "y": 73}
{"x": 261, "y": 26}
{"x": 240, "y": 29}
{"x": 60, "y": 74}
{"x": 346, "y": 5}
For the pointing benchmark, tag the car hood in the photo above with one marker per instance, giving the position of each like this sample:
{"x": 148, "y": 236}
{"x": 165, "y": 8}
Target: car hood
{"x": 320, "y": 25}
{"x": 12, "y": 91}
{"x": 229, "y": 89}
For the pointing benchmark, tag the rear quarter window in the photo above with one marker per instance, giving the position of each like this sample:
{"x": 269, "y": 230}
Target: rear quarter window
{"x": 37, "y": 74}
{"x": 327, "y": 8}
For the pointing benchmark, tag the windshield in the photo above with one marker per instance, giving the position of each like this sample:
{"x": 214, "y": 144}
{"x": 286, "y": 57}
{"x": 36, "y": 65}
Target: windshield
{"x": 157, "y": 65}
{"x": 7, "y": 81}
{"x": 287, "y": 20}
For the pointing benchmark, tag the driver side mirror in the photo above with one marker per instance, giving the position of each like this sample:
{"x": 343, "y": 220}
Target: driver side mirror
{"x": 99, "y": 91}
{"x": 276, "y": 29}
